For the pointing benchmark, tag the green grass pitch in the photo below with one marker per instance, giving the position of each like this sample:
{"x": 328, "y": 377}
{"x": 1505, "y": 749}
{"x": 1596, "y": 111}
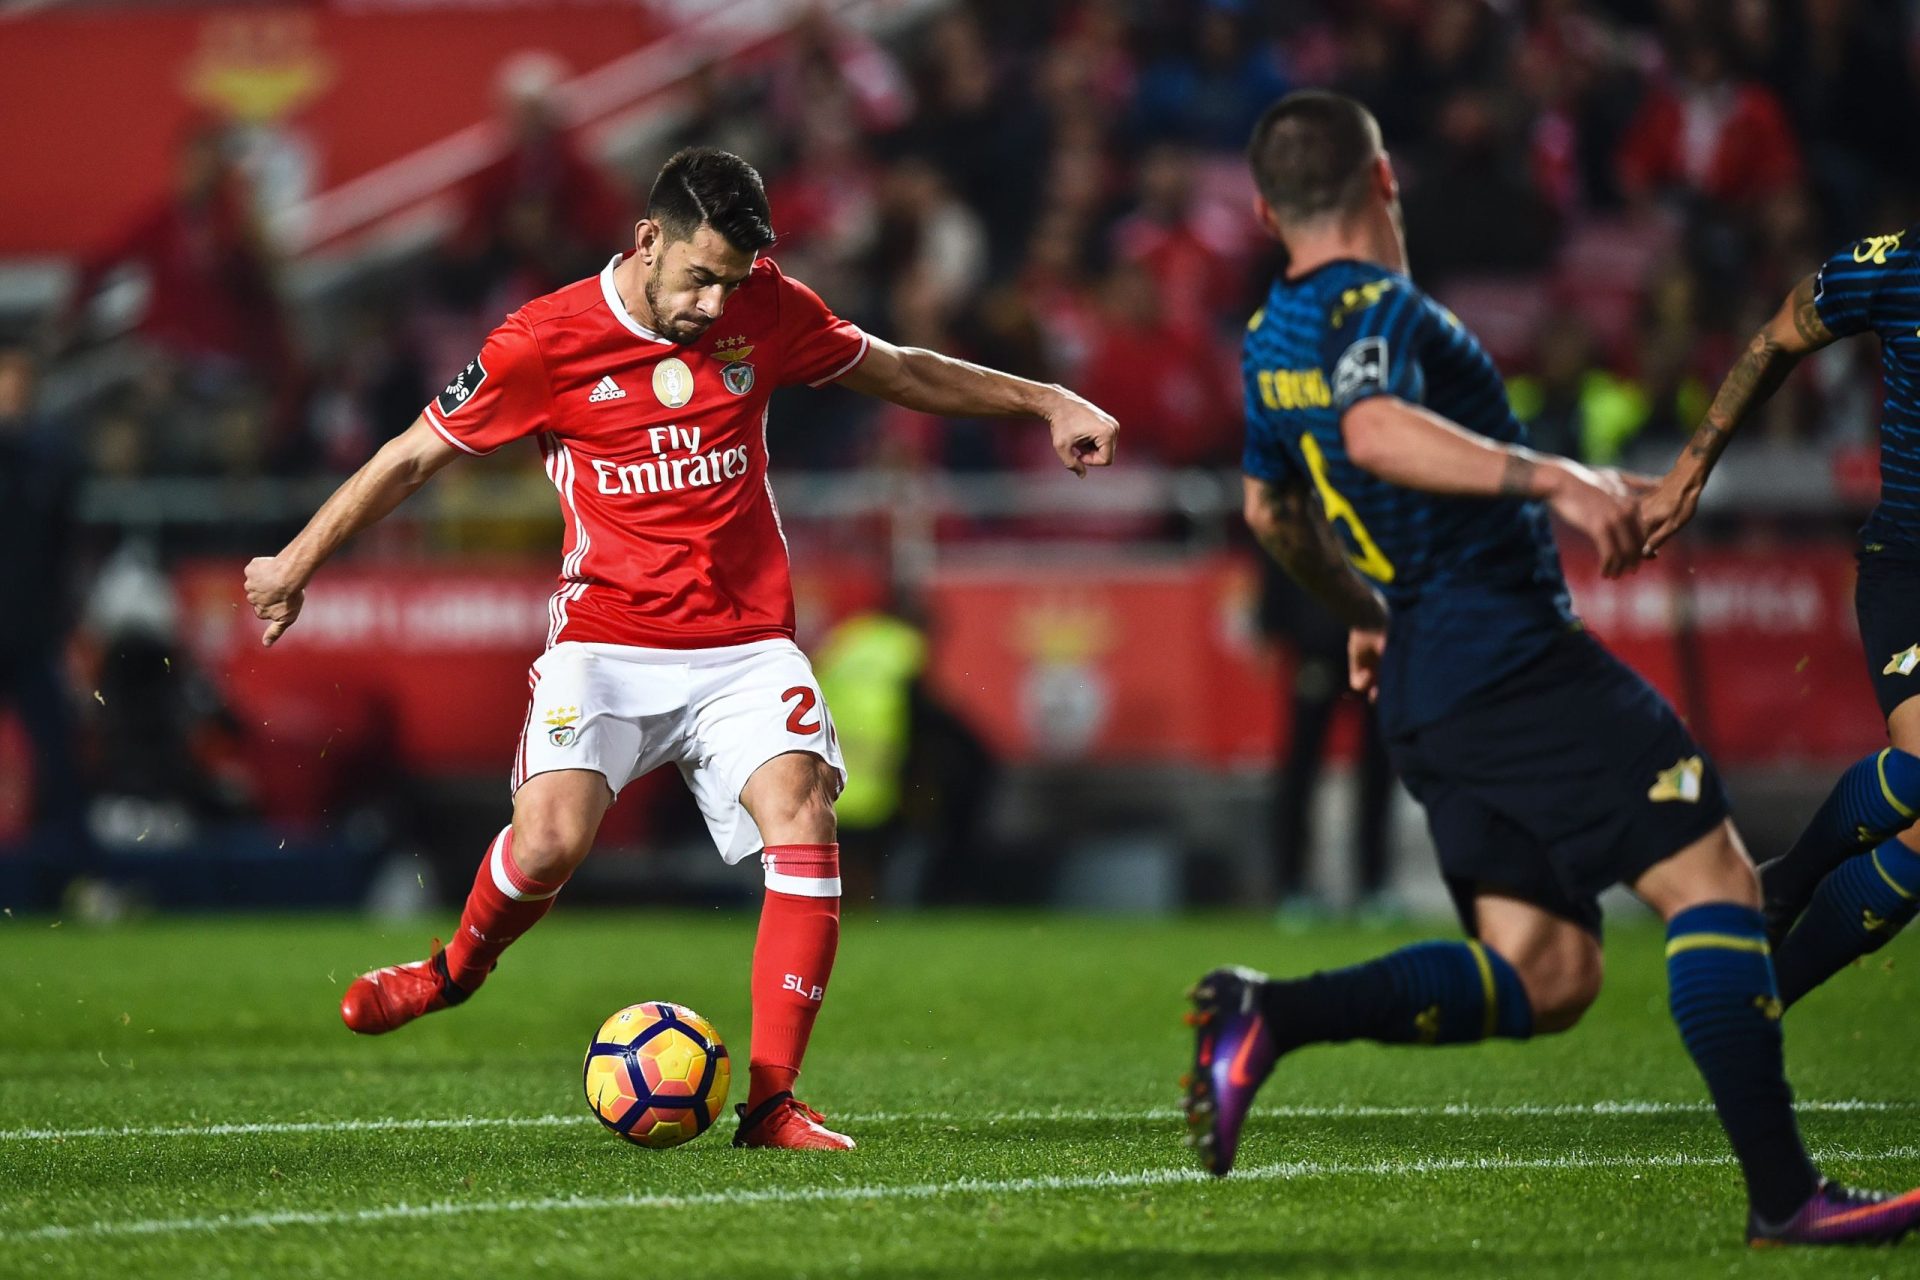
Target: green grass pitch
{"x": 180, "y": 1099}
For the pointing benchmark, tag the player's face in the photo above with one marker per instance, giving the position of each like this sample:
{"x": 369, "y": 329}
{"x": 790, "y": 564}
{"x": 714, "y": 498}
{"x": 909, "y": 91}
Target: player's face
{"x": 690, "y": 283}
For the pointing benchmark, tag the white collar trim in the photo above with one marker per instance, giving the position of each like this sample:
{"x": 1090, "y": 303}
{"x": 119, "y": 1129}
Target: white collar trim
{"x": 619, "y": 308}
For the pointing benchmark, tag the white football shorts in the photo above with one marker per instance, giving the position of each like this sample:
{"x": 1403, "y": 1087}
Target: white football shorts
{"x": 718, "y": 714}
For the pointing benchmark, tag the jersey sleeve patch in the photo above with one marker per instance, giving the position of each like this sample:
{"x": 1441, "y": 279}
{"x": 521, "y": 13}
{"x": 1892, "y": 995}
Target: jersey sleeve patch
{"x": 1362, "y": 371}
{"x": 1844, "y": 288}
{"x": 503, "y": 393}
{"x": 1875, "y": 249}
{"x": 465, "y": 383}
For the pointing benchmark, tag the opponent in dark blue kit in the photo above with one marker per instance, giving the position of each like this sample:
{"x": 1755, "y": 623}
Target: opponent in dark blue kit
{"x": 1385, "y": 471}
{"x": 1852, "y": 880}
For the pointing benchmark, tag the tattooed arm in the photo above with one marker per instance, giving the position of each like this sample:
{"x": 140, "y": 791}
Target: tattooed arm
{"x": 1291, "y": 525}
{"x": 1795, "y": 330}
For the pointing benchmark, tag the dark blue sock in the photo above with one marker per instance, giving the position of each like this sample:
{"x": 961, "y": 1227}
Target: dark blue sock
{"x": 1855, "y": 911}
{"x": 1875, "y": 799}
{"x": 1720, "y": 987}
{"x": 1428, "y": 993}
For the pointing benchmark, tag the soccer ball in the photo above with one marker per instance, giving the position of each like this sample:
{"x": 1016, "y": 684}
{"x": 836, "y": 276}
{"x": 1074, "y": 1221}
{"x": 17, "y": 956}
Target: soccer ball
{"x": 657, "y": 1074}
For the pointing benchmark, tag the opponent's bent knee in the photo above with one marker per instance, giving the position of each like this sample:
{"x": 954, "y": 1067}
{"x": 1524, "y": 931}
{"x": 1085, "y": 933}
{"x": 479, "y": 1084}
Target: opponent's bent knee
{"x": 1563, "y": 1010}
{"x": 1562, "y": 982}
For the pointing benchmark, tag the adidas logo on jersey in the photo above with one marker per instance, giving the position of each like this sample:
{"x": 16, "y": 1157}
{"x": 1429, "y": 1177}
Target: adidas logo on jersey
{"x": 606, "y": 389}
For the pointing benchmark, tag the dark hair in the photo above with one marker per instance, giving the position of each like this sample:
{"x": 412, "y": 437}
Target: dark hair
{"x": 1310, "y": 153}
{"x": 704, "y": 185}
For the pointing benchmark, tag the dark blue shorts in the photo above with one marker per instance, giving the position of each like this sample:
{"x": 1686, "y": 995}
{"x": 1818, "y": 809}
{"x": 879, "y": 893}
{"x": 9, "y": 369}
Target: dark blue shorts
{"x": 1561, "y": 780}
{"x": 1886, "y": 600}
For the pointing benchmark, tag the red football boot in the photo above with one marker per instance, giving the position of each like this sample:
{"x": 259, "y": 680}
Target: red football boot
{"x": 392, "y": 997}
{"x": 785, "y": 1122}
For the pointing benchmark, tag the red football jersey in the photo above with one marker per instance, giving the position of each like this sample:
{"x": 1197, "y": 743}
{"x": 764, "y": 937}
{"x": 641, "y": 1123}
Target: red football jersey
{"x": 659, "y": 452}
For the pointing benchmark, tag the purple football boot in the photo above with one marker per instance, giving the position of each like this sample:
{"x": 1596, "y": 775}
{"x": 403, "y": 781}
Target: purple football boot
{"x": 1233, "y": 1055}
{"x": 1840, "y": 1215}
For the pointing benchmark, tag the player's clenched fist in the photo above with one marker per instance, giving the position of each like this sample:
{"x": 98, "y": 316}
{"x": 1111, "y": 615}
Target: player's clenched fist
{"x": 275, "y": 593}
{"x": 1083, "y": 433}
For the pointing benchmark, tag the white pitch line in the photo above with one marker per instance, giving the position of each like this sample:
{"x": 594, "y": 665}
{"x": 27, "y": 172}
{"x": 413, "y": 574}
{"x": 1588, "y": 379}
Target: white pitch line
{"x": 391, "y": 1124}
{"x": 1283, "y": 1171}
{"x": 1360, "y": 1111}
{"x": 1057, "y": 1115}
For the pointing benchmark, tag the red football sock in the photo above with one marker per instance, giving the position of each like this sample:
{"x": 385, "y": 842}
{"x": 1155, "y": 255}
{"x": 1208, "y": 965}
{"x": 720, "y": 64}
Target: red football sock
{"x": 792, "y": 959}
{"x": 504, "y": 903}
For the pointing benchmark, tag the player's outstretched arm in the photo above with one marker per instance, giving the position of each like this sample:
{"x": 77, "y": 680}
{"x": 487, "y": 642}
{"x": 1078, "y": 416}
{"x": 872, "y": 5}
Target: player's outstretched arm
{"x": 1794, "y": 331}
{"x": 928, "y": 382}
{"x": 1415, "y": 448}
{"x": 277, "y": 585}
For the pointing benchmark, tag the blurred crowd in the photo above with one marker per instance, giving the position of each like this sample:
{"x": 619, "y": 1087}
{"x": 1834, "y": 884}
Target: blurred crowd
{"x": 1614, "y": 194}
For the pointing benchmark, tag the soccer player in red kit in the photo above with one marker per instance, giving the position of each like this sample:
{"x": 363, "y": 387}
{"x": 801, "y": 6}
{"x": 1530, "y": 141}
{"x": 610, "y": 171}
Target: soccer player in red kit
{"x": 670, "y": 638}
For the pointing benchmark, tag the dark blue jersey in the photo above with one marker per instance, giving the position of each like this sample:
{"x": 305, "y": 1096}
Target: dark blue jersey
{"x": 1474, "y": 583}
{"x": 1874, "y": 287}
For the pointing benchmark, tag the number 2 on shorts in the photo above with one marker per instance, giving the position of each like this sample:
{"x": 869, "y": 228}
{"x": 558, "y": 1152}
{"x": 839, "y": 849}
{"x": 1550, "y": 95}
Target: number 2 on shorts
{"x": 804, "y": 701}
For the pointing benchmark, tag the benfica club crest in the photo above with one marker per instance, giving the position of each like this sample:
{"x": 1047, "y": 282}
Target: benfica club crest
{"x": 562, "y": 727}
{"x": 737, "y": 374}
